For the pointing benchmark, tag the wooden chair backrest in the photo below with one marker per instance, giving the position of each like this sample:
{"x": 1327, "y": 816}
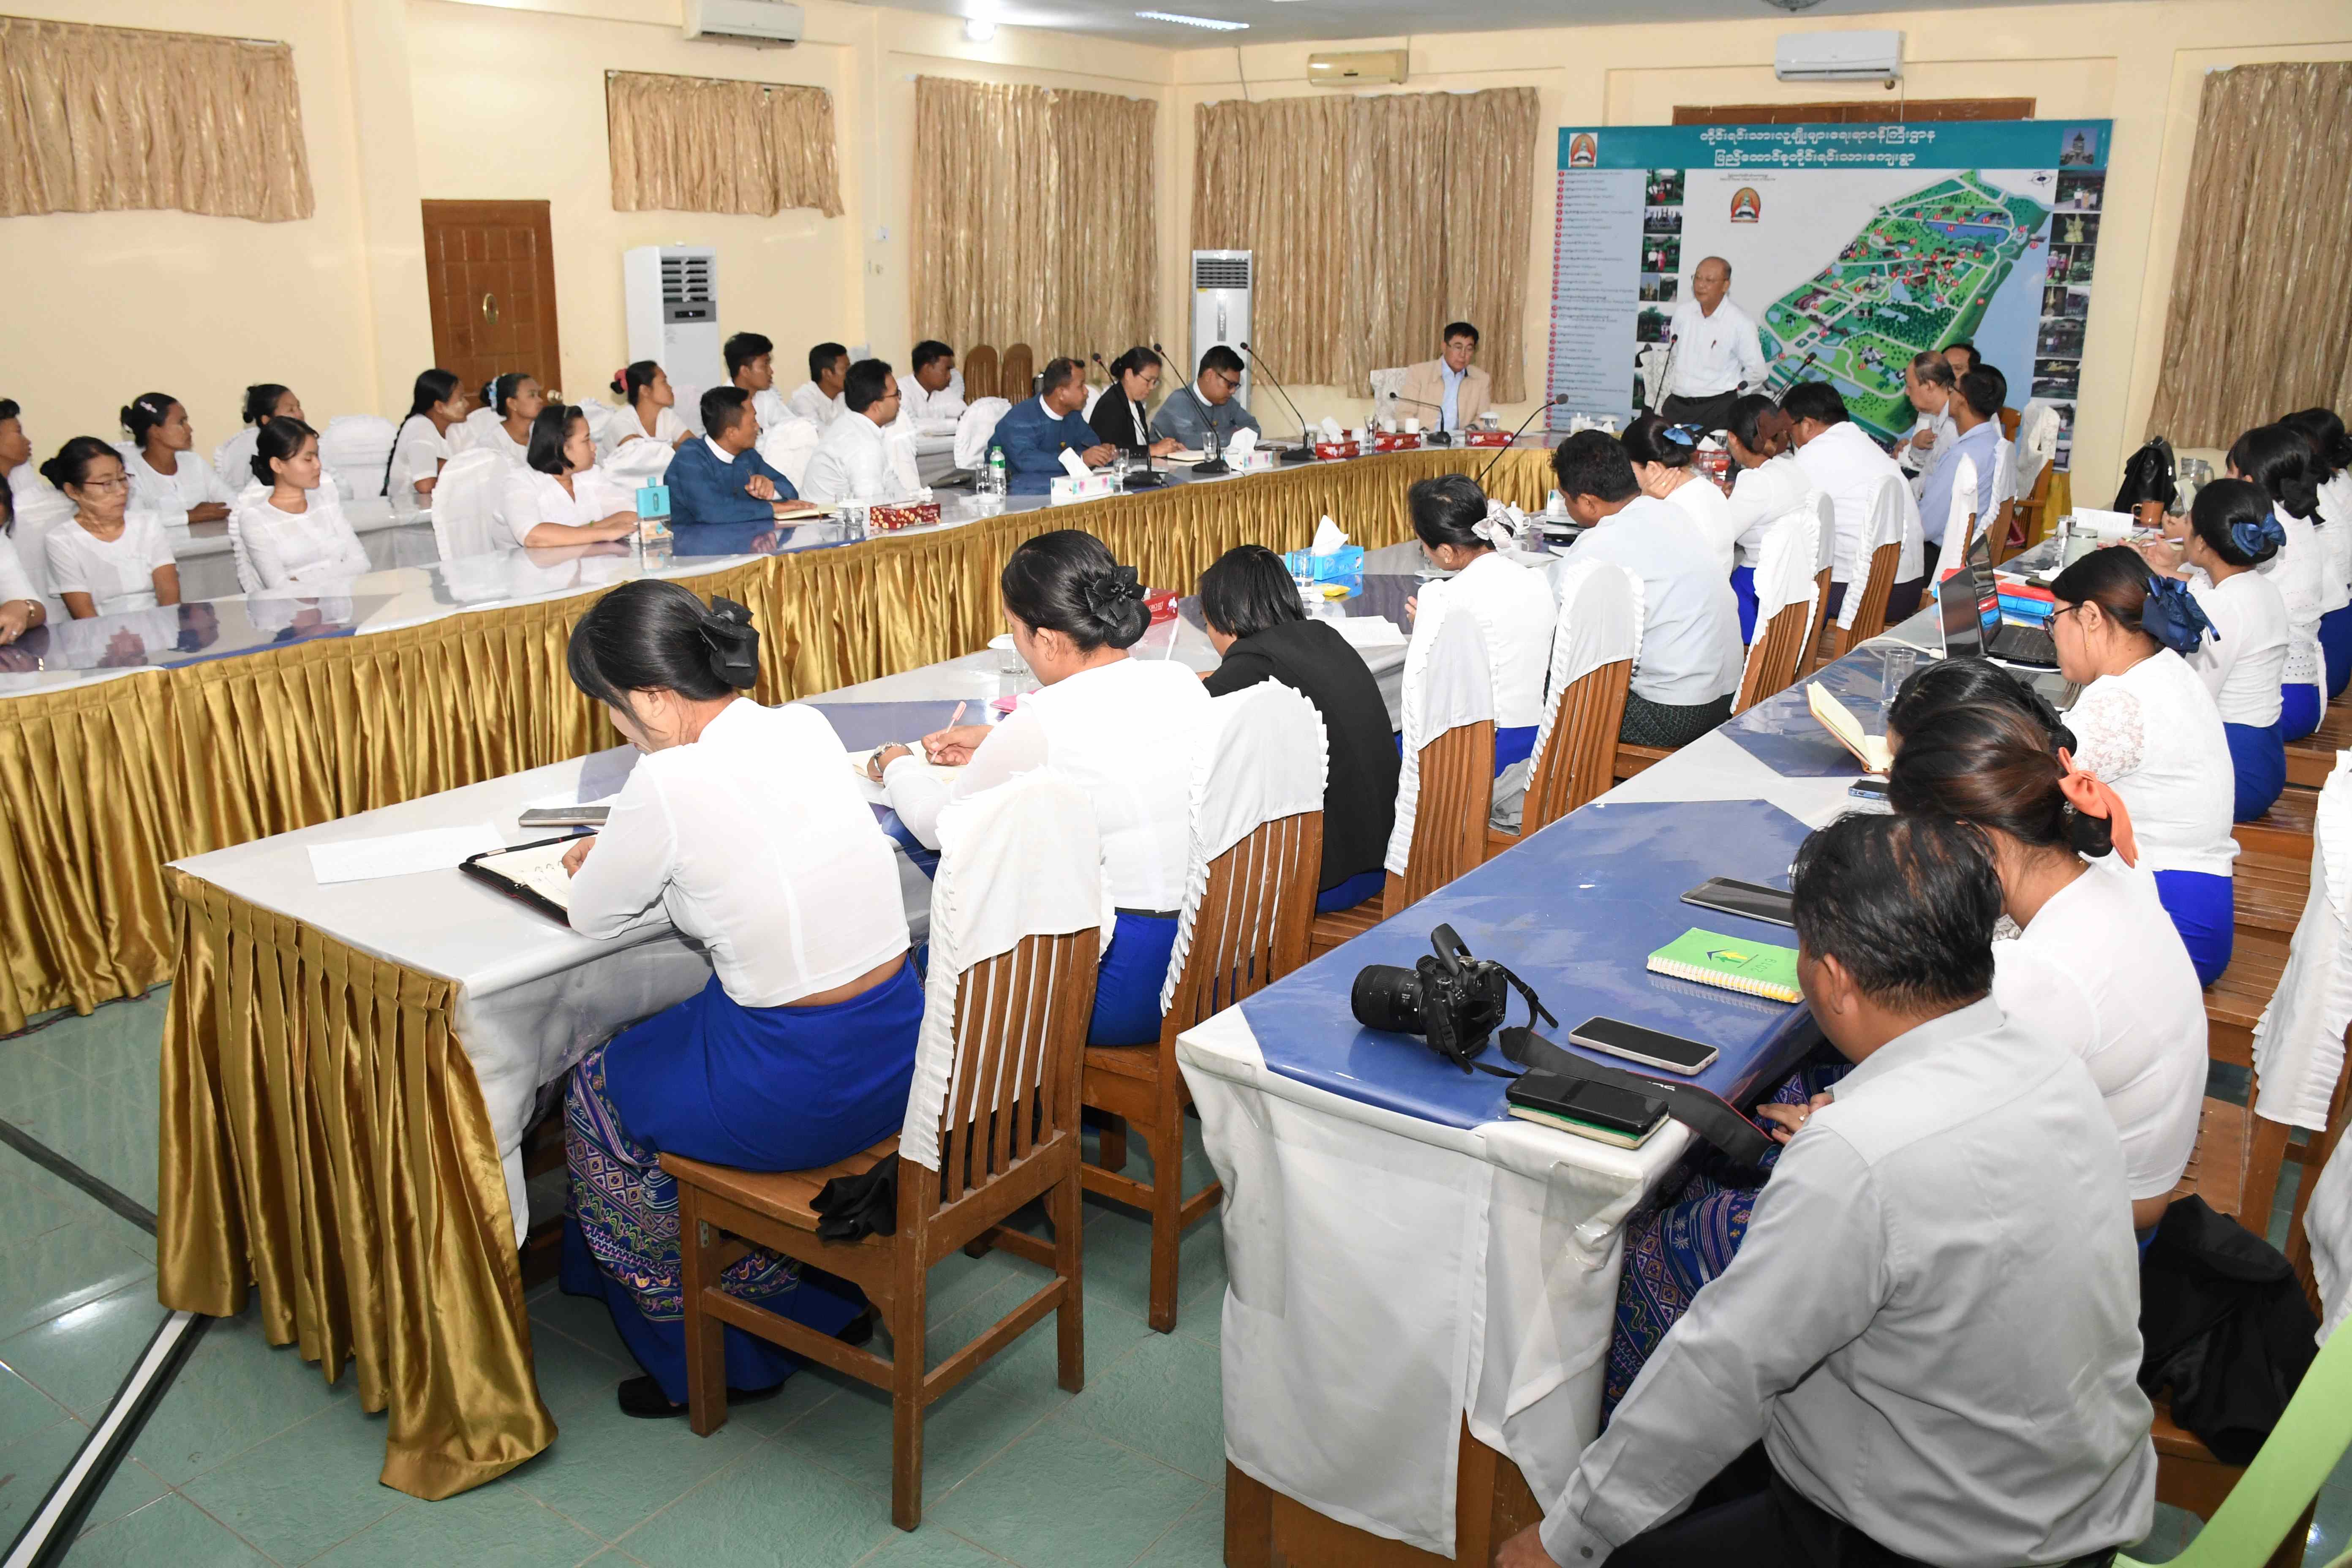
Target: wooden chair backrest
{"x": 1449, "y": 824}
{"x": 1021, "y": 1022}
{"x": 1019, "y": 374}
{"x": 1871, "y": 618}
{"x": 1772, "y": 666}
{"x": 2030, "y": 513}
{"x": 1583, "y": 748}
{"x": 2316, "y": 1155}
{"x": 1251, "y": 928}
{"x": 2009, "y": 419}
{"x": 980, "y": 373}
{"x": 1821, "y": 617}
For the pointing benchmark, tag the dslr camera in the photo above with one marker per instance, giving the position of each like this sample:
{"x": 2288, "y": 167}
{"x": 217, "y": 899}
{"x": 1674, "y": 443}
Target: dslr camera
{"x": 1453, "y": 1001}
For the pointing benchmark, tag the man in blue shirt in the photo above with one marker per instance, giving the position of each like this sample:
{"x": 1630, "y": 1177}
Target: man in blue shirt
{"x": 1036, "y": 433}
{"x": 1190, "y": 417}
{"x": 1974, "y": 408}
{"x": 721, "y": 478}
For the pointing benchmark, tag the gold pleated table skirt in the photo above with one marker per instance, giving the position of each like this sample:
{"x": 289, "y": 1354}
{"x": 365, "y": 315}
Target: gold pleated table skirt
{"x": 324, "y": 1136}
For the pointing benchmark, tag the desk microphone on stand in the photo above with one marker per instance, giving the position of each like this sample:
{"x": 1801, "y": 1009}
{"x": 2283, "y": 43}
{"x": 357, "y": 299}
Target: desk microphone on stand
{"x": 1558, "y": 402}
{"x": 1434, "y": 437}
{"x": 1305, "y": 451}
{"x": 1214, "y": 464}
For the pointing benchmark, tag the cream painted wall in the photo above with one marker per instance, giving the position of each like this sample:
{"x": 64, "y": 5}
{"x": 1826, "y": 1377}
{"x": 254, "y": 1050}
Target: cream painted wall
{"x": 2140, "y": 63}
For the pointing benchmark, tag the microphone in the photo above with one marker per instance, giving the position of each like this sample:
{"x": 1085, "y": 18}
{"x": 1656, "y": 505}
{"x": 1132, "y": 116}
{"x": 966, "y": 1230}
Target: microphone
{"x": 1434, "y": 437}
{"x": 1558, "y": 402}
{"x": 1214, "y": 464}
{"x": 1305, "y": 451}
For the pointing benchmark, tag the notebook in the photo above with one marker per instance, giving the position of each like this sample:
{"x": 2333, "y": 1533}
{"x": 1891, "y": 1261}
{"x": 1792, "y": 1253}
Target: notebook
{"x": 1711, "y": 958}
{"x": 530, "y": 874}
{"x": 1835, "y": 716}
{"x": 939, "y": 770}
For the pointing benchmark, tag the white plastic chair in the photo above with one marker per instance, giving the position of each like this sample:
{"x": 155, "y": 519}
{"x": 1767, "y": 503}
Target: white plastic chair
{"x": 973, "y": 430}
{"x": 232, "y": 459}
{"x": 1448, "y": 684}
{"x": 1962, "y": 519}
{"x": 787, "y": 447}
{"x": 1785, "y": 575}
{"x": 357, "y": 448}
{"x": 1387, "y": 387}
{"x": 248, "y": 580}
{"x": 466, "y": 505}
{"x": 1887, "y": 525}
{"x": 1599, "y": 625}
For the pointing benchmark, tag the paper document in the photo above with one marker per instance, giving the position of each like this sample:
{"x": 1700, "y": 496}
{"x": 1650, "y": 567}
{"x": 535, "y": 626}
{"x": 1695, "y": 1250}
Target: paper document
{"x": 400, "y": 854}
{"x": 1370, "y": 631}
{"x": 1073, "y": 465}
{"x": 1835, "y": 716}
{"x": 1328, "y": 538}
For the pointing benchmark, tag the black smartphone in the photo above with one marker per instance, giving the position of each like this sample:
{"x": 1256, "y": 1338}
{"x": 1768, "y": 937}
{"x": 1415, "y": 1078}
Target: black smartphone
{"x": 1752, "y": 900}
{"x": 1651, "y": 1048}
{"x": 1868, "y": 788}
{"x": 1591, "y": 1110}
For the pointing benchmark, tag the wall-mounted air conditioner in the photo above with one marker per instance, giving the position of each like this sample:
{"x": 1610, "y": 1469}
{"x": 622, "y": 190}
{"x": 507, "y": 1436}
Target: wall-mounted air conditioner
{"x": 671, "y": 297}
{"x": 1362, "y": 68}
{"x": 1220, "y": 307}
{"x": 1838, "y": 57}
{"x": 763, "y": 22}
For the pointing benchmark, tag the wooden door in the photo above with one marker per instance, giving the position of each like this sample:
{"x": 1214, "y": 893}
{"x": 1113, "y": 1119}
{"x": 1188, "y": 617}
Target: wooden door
{"x": 490, "y": 272}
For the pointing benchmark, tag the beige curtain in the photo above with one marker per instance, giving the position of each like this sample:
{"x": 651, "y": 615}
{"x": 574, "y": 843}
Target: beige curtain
{"x": 113, "y": 119}
{"x": 692, "y": 144}
{"x": 1373, "y": 221}
{"x": 2258, "y": 325}
{"x": 1033, "y": 218}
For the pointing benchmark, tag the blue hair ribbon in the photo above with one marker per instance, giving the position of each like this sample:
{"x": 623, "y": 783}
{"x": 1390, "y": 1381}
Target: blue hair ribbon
{"x": 2173, "y": 616}
{"x": 1680, "y": 434}
{"x": 2260, "y": 540}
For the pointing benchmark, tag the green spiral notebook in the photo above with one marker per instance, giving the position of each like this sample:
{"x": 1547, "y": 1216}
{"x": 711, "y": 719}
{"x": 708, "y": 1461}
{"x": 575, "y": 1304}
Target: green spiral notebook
{"x": 1711, "y": 958}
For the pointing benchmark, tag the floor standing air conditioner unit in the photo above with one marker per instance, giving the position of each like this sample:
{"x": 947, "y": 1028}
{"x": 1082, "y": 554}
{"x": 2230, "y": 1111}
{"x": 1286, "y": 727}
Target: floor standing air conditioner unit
{"x": 1220, "y": 307}
{"x": 672, "y": 294}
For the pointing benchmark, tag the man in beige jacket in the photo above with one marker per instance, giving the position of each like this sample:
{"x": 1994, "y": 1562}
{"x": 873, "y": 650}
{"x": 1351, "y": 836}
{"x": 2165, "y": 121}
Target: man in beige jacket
{"x": 1450, "y": 392}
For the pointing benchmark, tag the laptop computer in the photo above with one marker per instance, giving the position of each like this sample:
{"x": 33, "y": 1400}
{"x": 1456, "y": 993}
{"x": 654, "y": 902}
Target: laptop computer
{"x": 1970, "y": 603}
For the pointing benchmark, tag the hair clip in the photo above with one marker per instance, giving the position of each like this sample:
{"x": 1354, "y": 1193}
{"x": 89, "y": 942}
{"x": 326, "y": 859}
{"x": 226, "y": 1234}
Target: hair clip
{"x": 2172, "y": 615}
{"x": 2261, "y": 538}
{"x": 1680, "y": 434}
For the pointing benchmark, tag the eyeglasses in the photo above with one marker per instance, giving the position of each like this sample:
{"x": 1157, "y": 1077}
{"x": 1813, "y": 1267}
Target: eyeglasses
{"x": 117, "y": 482}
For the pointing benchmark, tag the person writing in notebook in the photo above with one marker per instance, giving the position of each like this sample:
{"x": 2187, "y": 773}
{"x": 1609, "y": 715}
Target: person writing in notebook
{"x": 1846, "y": 1393}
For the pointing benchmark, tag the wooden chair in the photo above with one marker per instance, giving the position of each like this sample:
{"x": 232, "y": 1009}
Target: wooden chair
{"x": 1870, "y": 618}
{"x": 1249, "y": 930}
{"x": 2031, "y": 519}
{"x": 1599, "y": 617}
{"x": 2009, "y": 419}
{"x": 1021, "y": 1023}
{"x": 1449, "y": 831}
{"x": 980, "y": 373}
{"x": 1019, "y": 376}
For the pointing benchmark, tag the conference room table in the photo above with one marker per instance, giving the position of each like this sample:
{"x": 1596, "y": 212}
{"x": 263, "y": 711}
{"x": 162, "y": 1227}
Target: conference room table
{"x": 127, "y": 742}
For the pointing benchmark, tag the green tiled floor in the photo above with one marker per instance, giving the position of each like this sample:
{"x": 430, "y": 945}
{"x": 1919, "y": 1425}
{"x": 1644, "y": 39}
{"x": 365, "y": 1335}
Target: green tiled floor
{"x": 252, "y": 1458}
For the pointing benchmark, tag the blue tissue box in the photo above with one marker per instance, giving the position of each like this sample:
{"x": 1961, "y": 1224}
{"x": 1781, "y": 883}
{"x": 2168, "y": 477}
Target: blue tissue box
{"x": 1346, "y": 561}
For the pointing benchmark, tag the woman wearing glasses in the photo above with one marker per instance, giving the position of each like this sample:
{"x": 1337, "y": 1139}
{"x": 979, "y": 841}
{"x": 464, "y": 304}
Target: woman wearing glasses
{"x": 111, "y": 560}
{"x": 1119, "y": 416}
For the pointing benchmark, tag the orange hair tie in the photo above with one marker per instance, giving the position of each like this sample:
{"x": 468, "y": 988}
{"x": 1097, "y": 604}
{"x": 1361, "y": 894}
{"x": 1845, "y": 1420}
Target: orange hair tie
{"x": 2089, "y": 794}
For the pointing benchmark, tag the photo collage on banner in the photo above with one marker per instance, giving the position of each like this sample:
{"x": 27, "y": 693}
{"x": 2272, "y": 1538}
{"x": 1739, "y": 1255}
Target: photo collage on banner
{"x": 1854, "y": 246}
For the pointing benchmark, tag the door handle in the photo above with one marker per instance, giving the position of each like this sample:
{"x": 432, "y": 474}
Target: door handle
{"x": 491, "y": 309}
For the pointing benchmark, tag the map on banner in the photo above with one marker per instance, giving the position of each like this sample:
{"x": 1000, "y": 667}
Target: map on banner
{"x": 1854, "y": 246}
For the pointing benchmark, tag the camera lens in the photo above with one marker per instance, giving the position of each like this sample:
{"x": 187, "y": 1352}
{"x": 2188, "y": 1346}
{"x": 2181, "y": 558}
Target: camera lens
{"x": 1387, "y": 998}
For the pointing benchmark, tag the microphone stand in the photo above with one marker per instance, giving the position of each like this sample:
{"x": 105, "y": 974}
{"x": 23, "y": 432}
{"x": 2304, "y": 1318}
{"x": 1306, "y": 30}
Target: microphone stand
{"x": 1305, "y": 451}
{"x": 1433, "y": 438}
{"x": 1547, "y": 403}
{"x": 1214, "y": 464}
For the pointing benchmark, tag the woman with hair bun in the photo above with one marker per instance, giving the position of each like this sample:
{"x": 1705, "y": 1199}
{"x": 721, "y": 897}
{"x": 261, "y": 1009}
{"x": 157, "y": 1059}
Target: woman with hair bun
{"x": 2148, "y": 728}
{"x": 436, "y": 405}
{"x": 110, "y": 559}
{"x": 2331, "y": 470}
{"x": 741, "y": 827}
{"x": 1662, "y": 454}
{"x": 1460, "y": 531}
{"x": 1122, "y": 728}
{"x": 515, "y": 400}
{"x": 2279, "y": 460}
{"x": 653, "y": 406}
{"x": 1120, "y": 416}
{"x": 295, "y": 531}
{"x": 1769, "y": 484}
{"x": 2232, "y": 533}
{"x": 168, "y": 480}
{"x": 263, "y": 401}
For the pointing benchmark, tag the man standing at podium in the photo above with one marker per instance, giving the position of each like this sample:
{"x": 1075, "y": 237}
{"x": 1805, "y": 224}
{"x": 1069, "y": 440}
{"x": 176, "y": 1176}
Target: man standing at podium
{"x": 1713, "y": 355}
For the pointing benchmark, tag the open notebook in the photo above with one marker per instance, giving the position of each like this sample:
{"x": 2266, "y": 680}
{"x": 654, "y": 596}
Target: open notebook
{"x": 532, "y": 874}
{"x": 940, "y": 770}
{"x": 1835, "y": 716}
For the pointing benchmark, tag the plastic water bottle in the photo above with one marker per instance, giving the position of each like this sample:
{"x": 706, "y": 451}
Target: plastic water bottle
{"x": 996, "y": 470}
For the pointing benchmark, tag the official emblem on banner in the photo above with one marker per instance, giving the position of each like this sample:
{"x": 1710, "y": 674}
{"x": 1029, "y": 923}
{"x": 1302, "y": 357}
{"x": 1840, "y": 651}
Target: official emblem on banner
{"x": 1747, "y": 207}
{"x": 1583, "y": 151}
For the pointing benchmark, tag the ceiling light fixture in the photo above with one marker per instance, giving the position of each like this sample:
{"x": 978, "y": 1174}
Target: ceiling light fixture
{"x": 1211, "y": 23}
{"x": 980, "y": 29}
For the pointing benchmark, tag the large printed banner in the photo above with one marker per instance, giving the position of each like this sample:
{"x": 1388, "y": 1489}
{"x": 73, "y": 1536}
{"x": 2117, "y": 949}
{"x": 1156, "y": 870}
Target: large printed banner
{"x": 1854, "y": 248}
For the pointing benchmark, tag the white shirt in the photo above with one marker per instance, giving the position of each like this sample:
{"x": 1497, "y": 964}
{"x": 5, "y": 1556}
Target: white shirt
{"x": 234, "y": 456}
{"x": 418, "y": 453}
{"x": 851, "y": 463}
{"x": 2300, "y": 570}
{"x": 667, "y": 426}
{"x": 1690, "y": 620}
{"x": 119, "y": 574}
{"x": 1710, "y": 508}
{"x": 814, "y": 406}
{"x": 933, "y": 412}
{"x": 755, "y": 841}
{"x": 312, "y": 546}
{"x": 1762, "y": 496}
{"x": 1125, "y": 734}
{"x": 1515, "y": 610}
{"x": 16, "y": 583}
{"x": 1716, "y": 353}
{"x": 532, "y": 498}
{"x": 1449, "y": 405}
{"x": 2100, "y": 971}
{"x": 170, "y": 497}
{"x": 1917, "y": 460}
{"x": 39, "y": 507}
{"x": 767, "y": 406}
{"x": 2246, "y": 667}
{"x": 2154, "y": 734}
{"x": 2334, "y": 523}
{"x": 1848, "y": 464}
{"x": 493, "y": 437}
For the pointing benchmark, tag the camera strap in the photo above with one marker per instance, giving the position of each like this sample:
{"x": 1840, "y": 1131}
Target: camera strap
{"x": 1708, "y": 1115}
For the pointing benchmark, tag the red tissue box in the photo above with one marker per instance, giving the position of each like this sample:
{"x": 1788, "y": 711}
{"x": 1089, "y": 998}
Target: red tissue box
{"x": 1486, "y": 438}
{"x": 1331, "y": 451}
{"x": 1402, "y": 441}
{"x": 911, "y": 514}
{"x": 1162, "y": 603}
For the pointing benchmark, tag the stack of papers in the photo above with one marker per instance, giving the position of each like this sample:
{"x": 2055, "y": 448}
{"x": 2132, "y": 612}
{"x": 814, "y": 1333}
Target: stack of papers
{"x": 1370, "y": 631}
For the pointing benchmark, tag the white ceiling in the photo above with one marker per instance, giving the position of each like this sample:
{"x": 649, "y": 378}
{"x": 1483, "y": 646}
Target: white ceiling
{"x": 1295, "y": 21}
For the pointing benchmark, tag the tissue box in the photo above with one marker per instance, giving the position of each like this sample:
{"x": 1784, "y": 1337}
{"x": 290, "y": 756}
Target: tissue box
{"x": 1162, "y": 603}
{"x": 1098, "y": 483}
{"x": 1486, "y": 438}
{"x": 1330, "y": 452}
{"x": 1258, "y": 460}
{"x": 909, "y": 514}
{"x": 1346, "y": 561}
{"x": 1397, "y": 441}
